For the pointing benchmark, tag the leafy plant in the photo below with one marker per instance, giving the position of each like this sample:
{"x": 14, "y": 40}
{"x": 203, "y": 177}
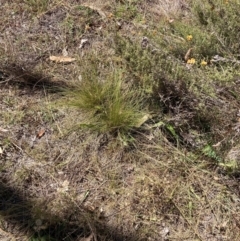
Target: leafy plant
{"x": 209, "y": 152}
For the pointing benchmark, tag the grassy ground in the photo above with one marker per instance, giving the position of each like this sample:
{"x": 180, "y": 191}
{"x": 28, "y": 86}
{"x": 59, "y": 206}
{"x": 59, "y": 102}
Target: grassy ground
{"x": 119, "y": 120}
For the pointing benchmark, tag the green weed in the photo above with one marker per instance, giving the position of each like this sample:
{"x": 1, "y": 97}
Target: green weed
{"x": 38, "y": 6}
{"x": 219, "y": 19}
{"x": 209, "y": 152}
{"x": 128, "y": 10}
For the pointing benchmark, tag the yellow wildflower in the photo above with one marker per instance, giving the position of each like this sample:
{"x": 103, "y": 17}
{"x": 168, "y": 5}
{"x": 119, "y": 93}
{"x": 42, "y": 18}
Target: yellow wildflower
{"x": 203, "y": 63}
{"x": 191, "y": 61}
{"x": 189, "y": 37}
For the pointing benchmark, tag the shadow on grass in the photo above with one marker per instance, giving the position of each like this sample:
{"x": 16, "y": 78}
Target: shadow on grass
{"x": 28, "y": 78}
{"x": 16, "y": 210}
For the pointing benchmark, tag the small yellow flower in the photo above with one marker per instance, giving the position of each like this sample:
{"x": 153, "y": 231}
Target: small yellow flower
{"x": 189, "y": 37}
{"x": 203, "y": 63}
{"x": 191, "y": 61}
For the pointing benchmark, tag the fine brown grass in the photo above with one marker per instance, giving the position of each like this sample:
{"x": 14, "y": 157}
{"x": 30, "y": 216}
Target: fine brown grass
{"x": 137, "y": 138}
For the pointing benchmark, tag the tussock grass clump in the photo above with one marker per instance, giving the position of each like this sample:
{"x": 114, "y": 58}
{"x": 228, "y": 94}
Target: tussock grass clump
{"x": 109, "y": 106}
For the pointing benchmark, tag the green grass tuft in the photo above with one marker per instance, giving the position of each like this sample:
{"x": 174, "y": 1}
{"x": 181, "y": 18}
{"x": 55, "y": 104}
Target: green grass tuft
{"x": 109, "y": 106}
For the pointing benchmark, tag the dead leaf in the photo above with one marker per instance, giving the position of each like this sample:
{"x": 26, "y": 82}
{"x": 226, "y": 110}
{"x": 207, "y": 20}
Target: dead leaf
{"x": 143, "y": 120}
{"x": 61, "y": 59}
{"x": 3, "y": 130}
{"x": 100, "y": 12}
{"x": 217, "y": 144}
{"x": 187, "y": 55}
{"x": 89, "y": 238}
{"x": 41, "y": 133}
{"x": 65, "y": 52}
{"x": 83, "y": 42}
{"x": 90, "y": 207}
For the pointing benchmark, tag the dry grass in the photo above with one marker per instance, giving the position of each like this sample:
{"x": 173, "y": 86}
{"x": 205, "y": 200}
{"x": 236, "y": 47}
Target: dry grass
{"x": 166, "y": 9}
{"x": 73, "y": 183}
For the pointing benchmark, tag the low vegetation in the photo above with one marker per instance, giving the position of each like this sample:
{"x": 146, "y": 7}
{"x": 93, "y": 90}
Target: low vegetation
{"x": 120, "y": 120}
